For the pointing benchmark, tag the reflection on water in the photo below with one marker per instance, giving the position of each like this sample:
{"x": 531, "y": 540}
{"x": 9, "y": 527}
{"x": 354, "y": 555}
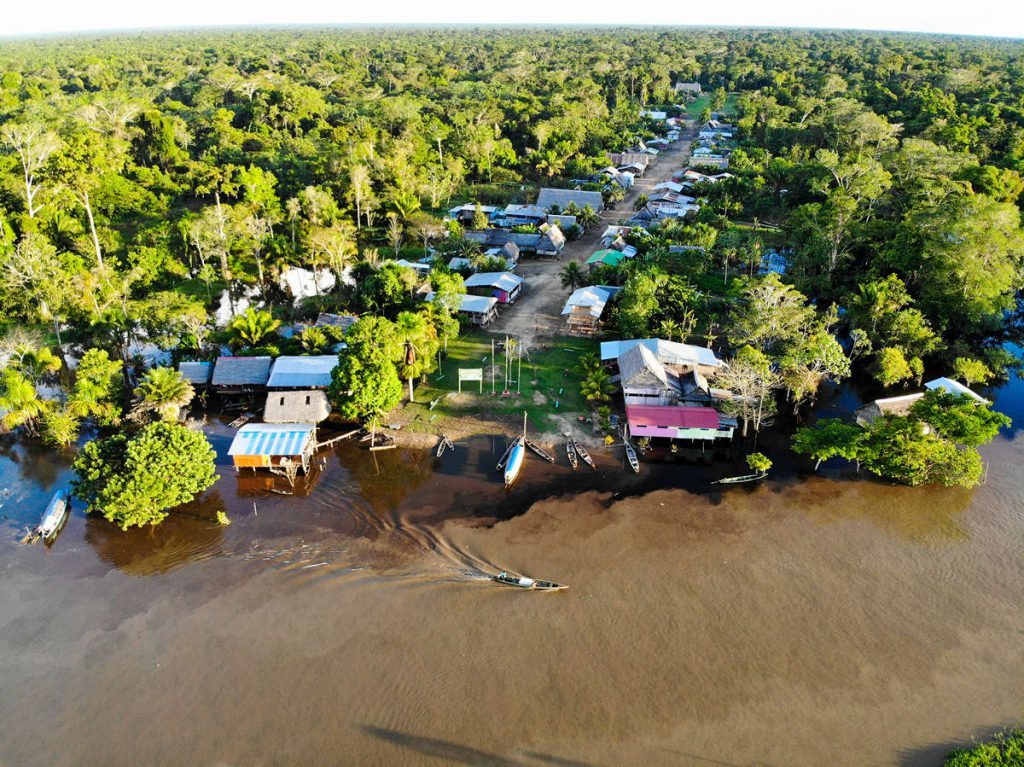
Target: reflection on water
{"x": 804, "y": 620}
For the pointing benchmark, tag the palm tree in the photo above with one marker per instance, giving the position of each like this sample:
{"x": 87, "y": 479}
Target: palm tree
{"x": 36, "y": 364}
{"x": 20, "y": 402}
{"x": 641, "y": 202}
{"x": 588, "y": 362}
{"x": 597, "y": 386}
{"x": 587, "y": 217}
{"x": 314, "y": 341}
{"x": 253, "y": 327}
{"x": 572, "y": 276}
{"x": 163, "y": 391}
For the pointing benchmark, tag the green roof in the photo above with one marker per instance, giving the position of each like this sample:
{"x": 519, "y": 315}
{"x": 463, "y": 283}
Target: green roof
{"x": 609, "y": 257}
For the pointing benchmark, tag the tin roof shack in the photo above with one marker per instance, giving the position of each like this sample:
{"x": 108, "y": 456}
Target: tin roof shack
{"x": 645, "y": 381}
{"x": 869, "y": 413}
{"x": 302, "y": 372}
{"x": 273, "y": 446}
{"x": 667, "y": 353}
{"x": 196, "y": 373}
{"x": 950, "y": 386}
{"x": 585, "y": 306}
{"x": 672, "y": 423}
{"x": 552, "y": 241}
{"x": 503, "y": 286}
{"x": 240, "y": 374}
{"x": 308, "y": 406}
{"x": 481, "y": 310}
{"x": 464, "y": 214}
{"x": 560, "y": 198}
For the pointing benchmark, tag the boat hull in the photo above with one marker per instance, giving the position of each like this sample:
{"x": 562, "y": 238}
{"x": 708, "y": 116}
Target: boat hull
{"x": 515, "y": 463}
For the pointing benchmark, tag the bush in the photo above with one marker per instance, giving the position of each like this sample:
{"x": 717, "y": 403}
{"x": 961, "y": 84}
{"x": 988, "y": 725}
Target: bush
{"x": 1005, "y": 750}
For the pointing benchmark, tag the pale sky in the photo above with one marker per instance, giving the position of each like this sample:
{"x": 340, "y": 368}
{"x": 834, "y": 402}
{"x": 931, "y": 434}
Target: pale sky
{"x": 1003, "y": 18}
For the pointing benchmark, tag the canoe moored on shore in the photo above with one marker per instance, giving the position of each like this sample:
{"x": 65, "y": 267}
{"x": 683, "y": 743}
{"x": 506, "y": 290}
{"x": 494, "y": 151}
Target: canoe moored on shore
{"x": 515, "y": 462}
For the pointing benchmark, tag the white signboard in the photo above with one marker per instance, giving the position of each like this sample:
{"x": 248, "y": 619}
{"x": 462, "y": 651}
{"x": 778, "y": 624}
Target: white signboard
{"x": 471, "y": 374}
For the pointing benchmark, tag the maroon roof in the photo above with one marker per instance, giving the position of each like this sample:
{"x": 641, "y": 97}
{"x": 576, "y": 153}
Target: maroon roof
{"x": 647, "y": 416}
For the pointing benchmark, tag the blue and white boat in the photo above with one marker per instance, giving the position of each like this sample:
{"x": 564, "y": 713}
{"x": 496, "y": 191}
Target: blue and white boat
{"x": 515, "y": 462}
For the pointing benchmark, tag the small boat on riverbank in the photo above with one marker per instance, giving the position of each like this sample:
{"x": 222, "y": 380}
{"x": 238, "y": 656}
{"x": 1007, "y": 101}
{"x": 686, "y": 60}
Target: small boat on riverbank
{"x": 584, "y": 455}
{"x": 540, "y": 451}
{"x": 737, "y": 480}
{"x": 55, "y": 516}
{"x": 634, "y": 462}
{"x": 504, "y": 457}
{"x": 570, "y": 450}
{"x": 444, "y": 444}
{"x": 523, "y": 582}
{"x": 515, "y": 462}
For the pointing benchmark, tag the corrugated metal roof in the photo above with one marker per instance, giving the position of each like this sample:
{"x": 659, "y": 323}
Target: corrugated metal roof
{"x": 241, "y": 371}
{"x": 640, "y": 363}
{"x": 196, "y": 372}
{"x": 954, "y": 387}
{"x": 643, "y": 416}
{"x": 591, "y": 297}
{"x": 272, "y": 439}
{"x": 500, "y": 280}
{"x": 302, "y": 372}
{"x": 669, "y": 352}
{"x": 562, "y": 197}
{"x": 608, "y": 257}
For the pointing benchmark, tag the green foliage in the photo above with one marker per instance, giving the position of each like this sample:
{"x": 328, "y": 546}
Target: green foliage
{"x": 905, "y": 450}
{"x": 365, "y": 384}
{"x": 60, "y": 427}
{"x": 96, "y": 392}
{"x": 222, "y": 518}
{"x": 891, "y": 366}
{"x": 572, "y": 276}
{"x": 19, "y": 402}
{"x": 597, "y": 386}
{"x": 959, "y": 418}
{"x": 971, "y": 370}
{"x": 1004, "y": 750}
{"x": 253, "y": 328}
{"x": 829, "y": 438}
{"x": 759, "y": 462}
{"x": 133, "y": 481}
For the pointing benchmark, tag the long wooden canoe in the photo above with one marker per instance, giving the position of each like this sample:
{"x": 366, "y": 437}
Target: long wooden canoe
{"x": 570, "y": 450}
{"x": 523, "y": 582}
{"x": 55, "y": 516}
{"x": 504, "y": 456}
{"x": 584, "y": 455}
{"x": 631, "y": 456}
{"x": 540, "y": 451}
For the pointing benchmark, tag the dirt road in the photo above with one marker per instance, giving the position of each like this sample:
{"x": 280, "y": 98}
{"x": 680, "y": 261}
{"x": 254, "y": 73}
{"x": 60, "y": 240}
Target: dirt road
{"x": 539, "y": 312}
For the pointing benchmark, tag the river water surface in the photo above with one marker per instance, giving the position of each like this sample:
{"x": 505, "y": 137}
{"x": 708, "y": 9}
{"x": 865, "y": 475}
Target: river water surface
{"x": 808, "y": 620}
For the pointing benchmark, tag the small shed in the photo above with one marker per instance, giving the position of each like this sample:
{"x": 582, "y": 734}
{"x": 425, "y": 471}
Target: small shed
{"x": 867, "y": 414}
{"x": 552, "y": 242}
{"x": 240, "y": 373}
{"x": 313, "y": 372}
{"x": 481, "y": 310}
{"x": 303, "y": 406}
{"x": 607, "y": 257}
{"x": 268, "y": 445}
{"x": 196, "y": 373}
{"x": 950, "y": 386}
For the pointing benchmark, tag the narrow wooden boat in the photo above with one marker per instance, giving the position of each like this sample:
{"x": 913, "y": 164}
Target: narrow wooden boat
{"x": 442, "y": 446}
{"x": 242, "y": 420}
{"x": 570, "y": 450}
{"x": 584, "y": 455}
{"x": 55, "y": 516}
{"x": 504, "y": 457}
{"x": 735, "y": 480}
{"x": 449, "y": 443}
{"x": 515, "y": 462}
{"x": 523, "y": 582}
{"x": 631, "y": 456}
{"x": 540, "y": 451}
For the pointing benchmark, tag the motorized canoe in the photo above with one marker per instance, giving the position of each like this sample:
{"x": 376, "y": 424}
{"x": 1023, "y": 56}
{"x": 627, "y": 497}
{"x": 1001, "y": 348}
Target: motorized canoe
{"x": 540, "y": 451}
{"x": 504, "y": 457}
{"x": 55, "y": 516}
{"x": 570, "y": 450}
{"x": 523, "y": 582}
{"x": 584, "y": 455}
{"x": 515, "y": 462}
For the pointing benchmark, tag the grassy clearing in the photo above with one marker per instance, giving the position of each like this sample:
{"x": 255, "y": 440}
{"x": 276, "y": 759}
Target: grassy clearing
{"x": 698, "y": 105}
{"x": 544, "y": 383}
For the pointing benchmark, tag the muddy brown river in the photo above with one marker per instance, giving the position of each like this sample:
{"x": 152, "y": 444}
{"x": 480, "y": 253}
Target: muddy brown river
{"x": 808, "y": 620}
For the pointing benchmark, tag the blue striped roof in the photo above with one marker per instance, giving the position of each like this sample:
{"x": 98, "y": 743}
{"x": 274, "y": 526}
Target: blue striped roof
{"x": 272, "y": 439}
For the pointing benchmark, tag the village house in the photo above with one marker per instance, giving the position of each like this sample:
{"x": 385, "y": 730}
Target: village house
{"x": 585, "y": 307}
{"x": 236, "y": 375}
{"x": 703, "y": 424}
{"x": 522, "y": 215}
{"x": 503, "y": 286}
{"x": 646, "y": 380}
{"x": 561, "y": 198}
{"x": 270, "y": 446}
{"x": 302, "y": 372}
{"x": 689, "y": 89}
{"x": 465, "y": 214}
{"x": 900, "y": 406}
{"x": 303, "y": 406}
{"x": 481, "y": 310}
{"x": 667, "y": 353}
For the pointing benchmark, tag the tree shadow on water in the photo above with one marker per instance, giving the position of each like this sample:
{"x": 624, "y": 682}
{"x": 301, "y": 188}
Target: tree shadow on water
{"x": 457, "y": 754}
